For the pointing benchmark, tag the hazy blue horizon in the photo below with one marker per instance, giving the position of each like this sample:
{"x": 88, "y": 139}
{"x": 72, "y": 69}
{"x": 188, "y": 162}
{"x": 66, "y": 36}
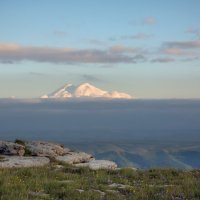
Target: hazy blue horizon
{"x": 138, "y": 133}
{"x": 100, "y": 120}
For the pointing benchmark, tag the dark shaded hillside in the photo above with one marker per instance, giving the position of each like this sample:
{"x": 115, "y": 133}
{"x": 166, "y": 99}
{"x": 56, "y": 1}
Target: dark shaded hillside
{"x": 189, "y": 157}
{"x": 146, "y": 155}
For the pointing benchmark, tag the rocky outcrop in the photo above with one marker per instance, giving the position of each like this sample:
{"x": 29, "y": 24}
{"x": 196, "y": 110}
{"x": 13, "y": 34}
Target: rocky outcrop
{"x": 42, "y": 148}
{"x": 98, "y": 164}
{"x": 22, "y": 161}
{"x": 75, "y": 157}
{"x": 119, "y": 185}
{"x": 11, "y": 148}
{"x": 41, "y": 152}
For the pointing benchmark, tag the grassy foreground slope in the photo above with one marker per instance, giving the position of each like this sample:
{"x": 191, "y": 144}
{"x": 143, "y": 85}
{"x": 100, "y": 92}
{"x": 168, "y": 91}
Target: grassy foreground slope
{"x": 67, "y": 182}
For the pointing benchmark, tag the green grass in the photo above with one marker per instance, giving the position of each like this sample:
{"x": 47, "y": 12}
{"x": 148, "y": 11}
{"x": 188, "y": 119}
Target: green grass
{"x": 18, "y": 141}
{"x": 22, "y": 142}
{"x": 52, "y": 183}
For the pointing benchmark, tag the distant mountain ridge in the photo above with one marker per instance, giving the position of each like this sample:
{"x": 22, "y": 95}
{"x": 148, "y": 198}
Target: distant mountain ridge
{"x": 85, "y": 90}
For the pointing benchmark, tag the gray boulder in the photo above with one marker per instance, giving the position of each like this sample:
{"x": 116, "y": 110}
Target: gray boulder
{"x": 21, "y": 161}
{"x": 43, "y": 148}
{"x": 98, "y": 164}
{"x": 11, "y": 148}
{"x": 119, "y": 185}
{"x": 75, "y": 157}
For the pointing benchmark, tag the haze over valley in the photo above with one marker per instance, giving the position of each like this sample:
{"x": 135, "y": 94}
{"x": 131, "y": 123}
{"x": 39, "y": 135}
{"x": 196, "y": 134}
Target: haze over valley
{"x": 140, "y": 133}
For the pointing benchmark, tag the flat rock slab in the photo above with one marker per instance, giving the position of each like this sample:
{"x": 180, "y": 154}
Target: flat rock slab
{"x": 119, "y": 185}
{"x": 98, "y": 164}
{"x": 42, "y": 148}
{"x": 103, "y": 194}
{"x": 39, "y": 194}
{"x": 11, "y": 148}
{"x": 75, "y": 157}
{"x": 20, "y": 161}
{"x": 80, "y": 190}
{"x": 66, "y": 181}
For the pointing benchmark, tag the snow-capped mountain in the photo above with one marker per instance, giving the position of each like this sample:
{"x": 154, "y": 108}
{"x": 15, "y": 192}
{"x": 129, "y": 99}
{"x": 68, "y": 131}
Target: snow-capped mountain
{"x": 85, "y": 90}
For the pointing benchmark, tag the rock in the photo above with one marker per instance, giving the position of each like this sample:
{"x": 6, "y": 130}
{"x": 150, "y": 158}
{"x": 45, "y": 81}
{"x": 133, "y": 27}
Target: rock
{"x": 42, "y": 148}
{"x": 42, "y": 151}
{"x": 20, "y": 161}
{"x": 66, "y": 181}
{"x": 119, "y": 185}
{"x": 59, "y": 166}
{"x": 134, "y": 168}
{"x": 10, "y": 148}
{"x": 130, "y": 168}
{"x": 80, "y": 190}
{"x": 66, "y": 151}
{"x": 161, "y": 186}
{"x": 112, "y": 191}
{"x": 38, "y": 194}
{"x": 75, "y": 157}
{"x": 82, "y": 164}
{"x": 98, "y": 164}
{"x": 103, "y": 194}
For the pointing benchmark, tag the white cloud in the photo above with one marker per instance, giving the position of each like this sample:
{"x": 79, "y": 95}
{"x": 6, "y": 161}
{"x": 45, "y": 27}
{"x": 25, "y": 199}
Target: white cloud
{"x": 194, "y": 31}
{"x": 116, "y": 54}
{"x": 150, "y": 20}
{"x": 181, "y": 48}
{"x": 138, "y": 36}
{"x": 60, "y": 33}
{"x": 183, "y": 44}
{"x": 163, "y": 60}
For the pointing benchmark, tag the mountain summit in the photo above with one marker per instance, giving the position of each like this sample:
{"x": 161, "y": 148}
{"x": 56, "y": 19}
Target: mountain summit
{"x": 86, "y": 90}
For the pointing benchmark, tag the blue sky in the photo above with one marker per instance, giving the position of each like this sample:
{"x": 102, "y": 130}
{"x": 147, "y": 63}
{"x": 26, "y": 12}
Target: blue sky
{"x": 150, "y": 49}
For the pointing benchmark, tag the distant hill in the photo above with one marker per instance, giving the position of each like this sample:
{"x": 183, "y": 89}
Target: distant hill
{"x": 147, "y": 155}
